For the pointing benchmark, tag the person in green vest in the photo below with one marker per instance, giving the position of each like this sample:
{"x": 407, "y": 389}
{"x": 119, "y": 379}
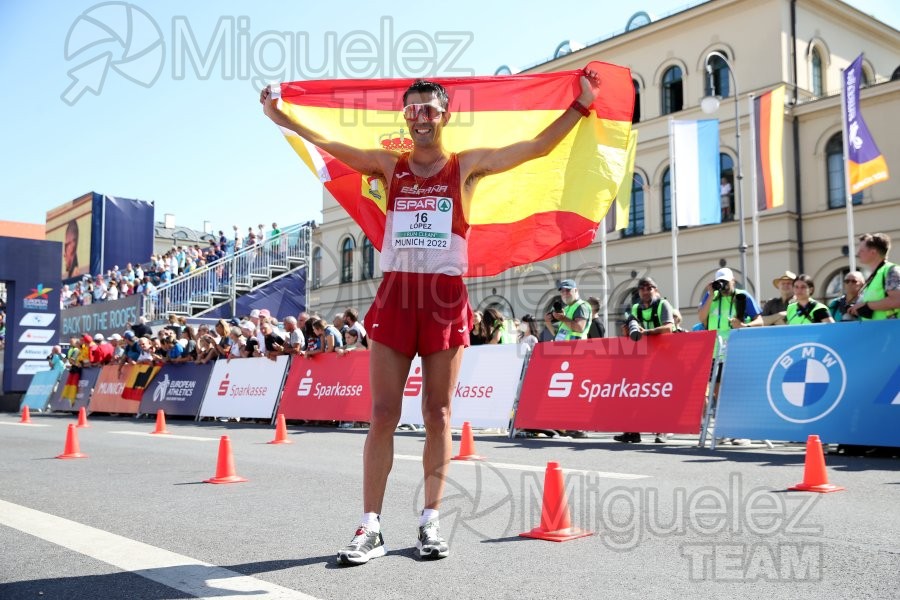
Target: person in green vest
{"x": 724, "y": 307}
{"x": 881, "y": 294}
{"x": 497, "y": 330}
{"x": 572, "y": 315}
{"x": 655, "y": 316}
{"x": 805, "y": 309}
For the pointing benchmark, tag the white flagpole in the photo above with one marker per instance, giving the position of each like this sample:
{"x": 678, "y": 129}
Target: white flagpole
{"x": 754, "y": 183}
{"x": 674, "y": 217}
{"x": 851, "y": 244}
{"x": 603, "y": 266}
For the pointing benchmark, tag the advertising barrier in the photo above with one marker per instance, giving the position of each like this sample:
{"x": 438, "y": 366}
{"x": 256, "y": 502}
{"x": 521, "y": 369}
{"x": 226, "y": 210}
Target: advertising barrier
{"x": 328, "y": 387}
{"x": 177, "y": 389}
{"x": 82, "y": 397}
{"x": 613, "y": 384}
{"x": 244, "y": 387}
{"x": 486, "y": 390}
{"x": 104, "y": 317}
{"x": 841, "y": 382}
{"x": 110, "y": 386}
{"x": 38, "y": 395}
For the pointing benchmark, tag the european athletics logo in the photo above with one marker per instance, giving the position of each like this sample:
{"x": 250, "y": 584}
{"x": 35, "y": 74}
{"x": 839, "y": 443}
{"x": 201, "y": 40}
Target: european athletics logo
{"x": 806, "y": 383}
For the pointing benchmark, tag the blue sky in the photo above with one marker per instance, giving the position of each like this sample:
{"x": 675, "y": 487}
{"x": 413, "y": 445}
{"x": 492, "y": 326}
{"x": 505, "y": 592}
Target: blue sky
{"x": 198, "y": 145}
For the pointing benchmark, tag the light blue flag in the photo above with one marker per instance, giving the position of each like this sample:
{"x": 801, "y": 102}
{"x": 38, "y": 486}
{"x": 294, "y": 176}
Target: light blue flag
{"x": 696, "y": 172}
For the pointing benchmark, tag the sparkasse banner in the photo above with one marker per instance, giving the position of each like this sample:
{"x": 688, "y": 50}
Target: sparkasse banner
{"x": 244, "y": 387}
{"x": 484, "y": 393}
{"x": 328, "y": 387}
{"x": 589, "y": 385}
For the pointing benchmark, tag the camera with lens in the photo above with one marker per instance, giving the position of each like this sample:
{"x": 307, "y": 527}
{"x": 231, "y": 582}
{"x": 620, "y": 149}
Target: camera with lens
{"x": 557, "y": 306}
{"x": 635, "y": 331}
{"x": 719, "y": 284}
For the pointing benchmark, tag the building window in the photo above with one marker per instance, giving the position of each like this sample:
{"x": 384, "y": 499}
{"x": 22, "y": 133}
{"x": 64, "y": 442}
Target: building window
{"x": 636, "y": 115}
{"x": 817, "y": 85}
{"x": 636, "y": 209}
{"x": 347, "y": 261}
{"x": 866, "y": 80}
{"x": 673, "y": 97}
{"x": 896, "y": 74}
{"x": 720, "y": 80}
{"x": 726, "y": 186}
{"x": 834, "y": 160}
{"x": 667, "y": 200}
{"x": 316, "y": 268}
{"x": 368, "y": 259}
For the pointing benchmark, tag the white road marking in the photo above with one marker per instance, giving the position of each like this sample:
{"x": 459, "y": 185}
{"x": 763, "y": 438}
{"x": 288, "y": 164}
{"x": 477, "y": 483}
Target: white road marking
{"x": 515, "y": 467}
{"x": 177, "y": 571}
{"x": 167, "y": 435}
{"x": 25, "y": 424}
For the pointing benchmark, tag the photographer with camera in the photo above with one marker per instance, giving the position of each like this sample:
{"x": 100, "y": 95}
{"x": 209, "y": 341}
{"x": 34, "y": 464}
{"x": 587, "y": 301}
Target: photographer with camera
{"x": 570, "y": 312}
{"x": 651, "y": 315}
{"x": 725, "y": 307}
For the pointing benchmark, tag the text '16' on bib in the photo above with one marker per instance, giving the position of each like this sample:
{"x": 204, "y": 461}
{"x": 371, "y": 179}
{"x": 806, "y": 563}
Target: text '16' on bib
{"x": 424, "y": 222}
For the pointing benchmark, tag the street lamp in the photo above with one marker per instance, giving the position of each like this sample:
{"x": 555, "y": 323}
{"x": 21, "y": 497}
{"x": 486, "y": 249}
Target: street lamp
{"x": 709, "y": 105}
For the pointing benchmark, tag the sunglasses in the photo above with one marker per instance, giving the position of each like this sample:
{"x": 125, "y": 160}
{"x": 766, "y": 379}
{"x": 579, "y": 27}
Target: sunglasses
{"x": 431, "y": 112}
{"x": 646, "y": 287}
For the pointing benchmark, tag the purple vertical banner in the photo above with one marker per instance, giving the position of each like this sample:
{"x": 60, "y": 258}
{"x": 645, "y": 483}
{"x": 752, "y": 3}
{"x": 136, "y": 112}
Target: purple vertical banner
{"x": 177, "y": 389}
{"x": 86, "y": 384}
{"x": 865, "y": 162}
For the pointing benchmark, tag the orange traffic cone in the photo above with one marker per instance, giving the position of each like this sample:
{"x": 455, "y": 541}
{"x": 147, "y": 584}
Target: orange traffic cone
{"x": 467, "y": 445}
{"x": 556, "y": 525}
{"x": 26, "y": 415}
{"x": 281, "y": 431}
{"x": 160, "y": 423}
{"x": 82, "y": 417}
{"x": 72, "y": 450}
{"x": 225, "y": 467}
{"x": 815, "y": 478}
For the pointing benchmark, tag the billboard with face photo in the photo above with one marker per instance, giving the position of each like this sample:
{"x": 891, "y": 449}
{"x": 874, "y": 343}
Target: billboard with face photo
{"x": 70, "y": 224}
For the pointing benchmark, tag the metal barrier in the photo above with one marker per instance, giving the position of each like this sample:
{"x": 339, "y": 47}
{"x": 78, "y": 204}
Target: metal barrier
{"x": 231, "y": 276}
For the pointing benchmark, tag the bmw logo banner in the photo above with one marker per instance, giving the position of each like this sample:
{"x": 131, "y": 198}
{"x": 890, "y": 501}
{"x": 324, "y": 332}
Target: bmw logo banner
{"x": 840, "y": 381}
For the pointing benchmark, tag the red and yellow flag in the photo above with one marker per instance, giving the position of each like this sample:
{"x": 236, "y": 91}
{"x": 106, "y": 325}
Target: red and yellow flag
{"x": 538, "y": 210}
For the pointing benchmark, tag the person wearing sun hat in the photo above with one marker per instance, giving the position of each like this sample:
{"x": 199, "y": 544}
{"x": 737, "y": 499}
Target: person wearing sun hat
{"x": 774, "y": 311}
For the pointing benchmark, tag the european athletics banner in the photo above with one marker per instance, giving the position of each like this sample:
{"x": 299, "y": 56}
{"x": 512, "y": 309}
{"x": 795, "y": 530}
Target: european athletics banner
{"x": 538, "y": 210}
{"x": 177, "y": 389}
{"x": 864, "y": 161}
{"x": 839, "y": 381}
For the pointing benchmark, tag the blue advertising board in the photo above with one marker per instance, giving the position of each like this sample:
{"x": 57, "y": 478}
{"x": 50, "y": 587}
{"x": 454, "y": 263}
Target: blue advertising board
{"x": 840, "y": 381}
{"x": 103, "y": 317}
{"x": 38, "y": 395}
{"x": 125, "y": 235}
{"x": 31, "y": 270}
{"x": 177, "y": 389}
{"x": 86, "y": 384}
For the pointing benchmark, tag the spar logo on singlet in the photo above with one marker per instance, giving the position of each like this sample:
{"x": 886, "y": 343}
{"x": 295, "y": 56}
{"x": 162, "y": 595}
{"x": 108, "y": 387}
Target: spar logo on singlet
{"x": 417, "y": 204}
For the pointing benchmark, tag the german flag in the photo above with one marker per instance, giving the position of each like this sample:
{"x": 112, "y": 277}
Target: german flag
{"x": 536, "y": 211}
{"x": 768, "y": 127}
{"x": 138, "y": 380}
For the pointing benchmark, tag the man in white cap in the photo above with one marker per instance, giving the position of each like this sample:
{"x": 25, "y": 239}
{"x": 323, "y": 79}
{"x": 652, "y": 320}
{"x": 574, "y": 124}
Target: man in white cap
{"x": 725, "y": 307}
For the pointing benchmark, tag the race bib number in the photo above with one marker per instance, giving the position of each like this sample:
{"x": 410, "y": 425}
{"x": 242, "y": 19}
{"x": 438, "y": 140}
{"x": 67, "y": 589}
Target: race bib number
{"x": 424, "y": 222}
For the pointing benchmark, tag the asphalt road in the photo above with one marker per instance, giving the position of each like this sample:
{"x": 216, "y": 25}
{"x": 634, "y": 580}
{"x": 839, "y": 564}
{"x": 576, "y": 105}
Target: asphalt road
{"x": 134, "y": 520}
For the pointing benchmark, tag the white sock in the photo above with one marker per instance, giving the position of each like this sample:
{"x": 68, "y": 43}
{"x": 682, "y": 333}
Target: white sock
{"x": 371, "y": 521}
{"x": 428, "y": 514}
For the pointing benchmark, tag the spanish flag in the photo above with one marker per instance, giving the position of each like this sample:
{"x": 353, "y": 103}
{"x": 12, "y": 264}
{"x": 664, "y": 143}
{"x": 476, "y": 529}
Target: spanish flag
{"x": 865, "y": 162}
{"x": 536, "y": 211}
{"x": 768, "y": 129}
{"x": 617, "y": 218}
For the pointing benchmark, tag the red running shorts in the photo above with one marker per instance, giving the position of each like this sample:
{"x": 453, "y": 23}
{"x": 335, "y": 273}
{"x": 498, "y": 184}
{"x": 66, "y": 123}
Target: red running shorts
{"x": 420, "y": 313}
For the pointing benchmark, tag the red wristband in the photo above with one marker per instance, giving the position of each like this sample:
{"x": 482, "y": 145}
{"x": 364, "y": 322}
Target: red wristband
{"x": 585, "y": 112}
